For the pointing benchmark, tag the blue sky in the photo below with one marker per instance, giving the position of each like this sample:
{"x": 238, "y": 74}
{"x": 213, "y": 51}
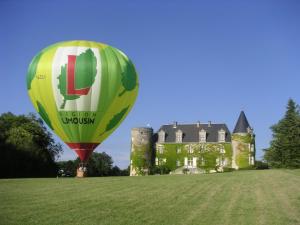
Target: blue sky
{"x": 197, "y": 60}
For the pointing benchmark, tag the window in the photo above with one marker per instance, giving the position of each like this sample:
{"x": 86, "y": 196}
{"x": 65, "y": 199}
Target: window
{"x": 178, "y": 163}
{"x": 178, "y": 150}
{"x": 202, "y": 161}
{"x": 161, "y": 136}
{"x": 220, "y": 161}
{"x": 161, "y": 161}
{"x": 252, "y": 148}
{"x": 190, "y": 161}
{"x": 190, "y": 150}
{"x": 194, "y": 161}
{"x": 252, "y": 160}
{"x": 179, "y": 136}
{"x": 221, "y": 135}
{"x": 160, "y": 149}
{"x": 202, "y": 148}
{"x": 202, "y": 136}
{"x": 222, "y": 150}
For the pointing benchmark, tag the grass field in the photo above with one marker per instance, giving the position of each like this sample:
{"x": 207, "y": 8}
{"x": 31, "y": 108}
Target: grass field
{"x": 244, "y": 197}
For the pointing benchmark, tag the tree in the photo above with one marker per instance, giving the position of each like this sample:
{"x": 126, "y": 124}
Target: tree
{"x": 67, "y": 168}
{"x": 284, "y": 150}
{"x": 98, "y": 165}
{"x": 27, "y": 149}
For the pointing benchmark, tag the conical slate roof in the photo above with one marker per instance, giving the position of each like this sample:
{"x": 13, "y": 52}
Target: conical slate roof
{"x": 242, "y": 124}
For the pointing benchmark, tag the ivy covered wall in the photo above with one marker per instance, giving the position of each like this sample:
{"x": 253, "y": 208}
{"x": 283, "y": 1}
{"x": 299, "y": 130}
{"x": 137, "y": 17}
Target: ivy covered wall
{"x": 141, "y": 158}
{"x": 244, "y": 150}
{"x": 207, "y": 154}
{"x": 199, "y": 157}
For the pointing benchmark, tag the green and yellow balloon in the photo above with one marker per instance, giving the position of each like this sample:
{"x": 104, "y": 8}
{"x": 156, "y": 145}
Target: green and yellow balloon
{"x": 83, "y": 90}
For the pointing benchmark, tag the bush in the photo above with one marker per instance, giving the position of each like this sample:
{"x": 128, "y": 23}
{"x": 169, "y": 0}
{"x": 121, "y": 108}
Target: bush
{"x": 160, "y": 170}
{"x": 248, "y": 168}
{"x": 228, "y": 169}
{"x": 185, "y": 171}
{"x": 260, "y": 165}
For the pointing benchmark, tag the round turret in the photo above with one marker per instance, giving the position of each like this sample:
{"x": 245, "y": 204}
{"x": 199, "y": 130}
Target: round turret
{"x": 243, "y": 144}
{"x": 141, "y": 150}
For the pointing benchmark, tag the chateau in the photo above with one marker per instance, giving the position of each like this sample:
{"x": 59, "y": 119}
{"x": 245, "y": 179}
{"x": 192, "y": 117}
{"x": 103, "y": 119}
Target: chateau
{"x": 192, "y": 148}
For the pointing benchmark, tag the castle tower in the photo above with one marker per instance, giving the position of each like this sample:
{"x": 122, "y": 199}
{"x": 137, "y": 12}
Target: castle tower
{"x": 141, "y": 156}
{"x": 243, "y": 144}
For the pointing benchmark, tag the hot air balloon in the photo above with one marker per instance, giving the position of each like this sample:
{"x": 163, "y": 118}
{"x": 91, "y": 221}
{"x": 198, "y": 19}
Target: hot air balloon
{"x": 83, "y": 90}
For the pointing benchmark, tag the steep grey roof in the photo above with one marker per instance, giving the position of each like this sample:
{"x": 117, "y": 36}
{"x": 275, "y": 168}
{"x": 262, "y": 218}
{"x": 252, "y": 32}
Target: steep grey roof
{"x": 242, "y": 124}
{"x": 191, "y": 132}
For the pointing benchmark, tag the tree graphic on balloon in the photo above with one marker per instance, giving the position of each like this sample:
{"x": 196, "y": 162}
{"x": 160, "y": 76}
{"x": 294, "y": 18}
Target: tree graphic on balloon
{"x": 77, "y": 77}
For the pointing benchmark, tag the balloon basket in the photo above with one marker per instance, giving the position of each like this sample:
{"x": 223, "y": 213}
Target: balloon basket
{"x": 81, "y": 171}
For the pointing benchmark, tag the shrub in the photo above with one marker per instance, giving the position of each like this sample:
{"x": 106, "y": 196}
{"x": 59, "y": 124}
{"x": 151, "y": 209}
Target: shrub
{"x": 260, "y": 165}
{"x": 228, "y": 169}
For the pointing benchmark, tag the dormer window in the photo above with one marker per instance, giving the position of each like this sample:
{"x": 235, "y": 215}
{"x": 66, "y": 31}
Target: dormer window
{"x": 221, "y": 135}
{"x": 249, "y": 130}
{"x": 161, "y": 136}
{"x": 202, "y": 136}
{"x": 179, "y": 136}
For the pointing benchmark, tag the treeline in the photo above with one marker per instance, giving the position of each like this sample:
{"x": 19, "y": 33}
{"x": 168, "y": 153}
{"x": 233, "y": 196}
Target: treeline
{"x": 284, "y": 150}
{"x": 27, "y": 149}
{"x": 99, "y": 165}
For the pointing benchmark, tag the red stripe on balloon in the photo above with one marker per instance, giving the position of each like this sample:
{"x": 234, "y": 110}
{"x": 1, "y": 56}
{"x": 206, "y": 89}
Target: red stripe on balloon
{"x": 71, "y": 78}
{"x": 83, "y": 154}
{"x": 83, "y": 145}
{"x": 83, "y": 150}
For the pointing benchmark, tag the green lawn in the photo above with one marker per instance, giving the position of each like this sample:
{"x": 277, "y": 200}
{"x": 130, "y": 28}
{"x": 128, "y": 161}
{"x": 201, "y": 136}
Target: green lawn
{"x": 244, "y": 197}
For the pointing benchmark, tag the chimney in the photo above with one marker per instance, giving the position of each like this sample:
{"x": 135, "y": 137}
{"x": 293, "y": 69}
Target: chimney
{"x": 209, "y": 123}
{"x": 175, "y": 124}
{"x": 198, "y": 123}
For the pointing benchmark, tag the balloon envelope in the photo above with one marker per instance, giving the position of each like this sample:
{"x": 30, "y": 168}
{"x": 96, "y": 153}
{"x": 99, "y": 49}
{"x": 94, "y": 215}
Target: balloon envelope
{"x": 83, "y": 90}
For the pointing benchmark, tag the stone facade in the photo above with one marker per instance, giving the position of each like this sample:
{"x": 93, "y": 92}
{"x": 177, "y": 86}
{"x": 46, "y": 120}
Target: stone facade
{"x": 192, "y": 148}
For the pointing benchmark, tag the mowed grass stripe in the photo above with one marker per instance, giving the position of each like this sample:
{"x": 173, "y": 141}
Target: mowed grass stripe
{"x": 244, "y": 197}
{"x": 283, "y": 197}
{"x": 70, "y": 197}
